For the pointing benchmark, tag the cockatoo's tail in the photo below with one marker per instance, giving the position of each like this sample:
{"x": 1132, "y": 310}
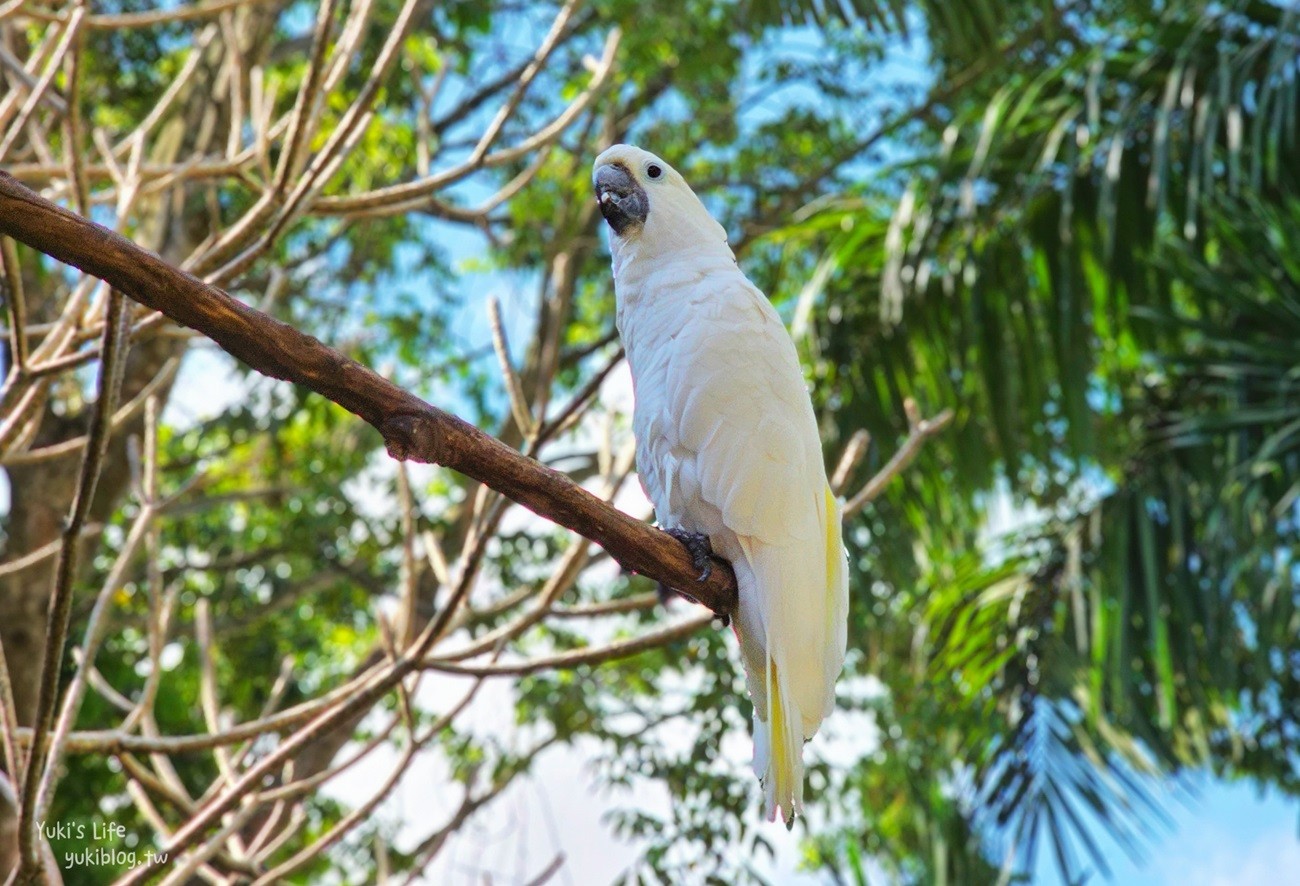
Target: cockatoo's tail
{"x": 727, "y": 446}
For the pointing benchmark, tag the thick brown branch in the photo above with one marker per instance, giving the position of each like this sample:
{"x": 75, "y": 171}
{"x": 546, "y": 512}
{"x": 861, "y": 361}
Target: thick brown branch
{"x": 411, "y": 428}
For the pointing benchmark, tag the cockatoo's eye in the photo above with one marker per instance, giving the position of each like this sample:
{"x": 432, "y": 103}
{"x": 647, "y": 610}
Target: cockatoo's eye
{"x": 654, "y": 171}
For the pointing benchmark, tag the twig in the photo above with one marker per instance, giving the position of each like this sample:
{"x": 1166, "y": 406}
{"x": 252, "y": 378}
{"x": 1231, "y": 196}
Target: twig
{"x": 96, "y": 625}
{"x": 37, "y": 58}
{"x": 162, "y": 764}
{"x": 273, "y": 699}
{"x": 344, "y": 826}
{"x": 139, "y": 776}
{"x": 140, "y": 797}
{"x": 308, "y": 96}
{"x": 548, "y": 872}
{"x": 434, "y": 554}
{"x": 133, "y": 20}
{"x": 565, "y": 574}
{"x": 15, "y": 66}
{"x": 514, "y": 387}
{"x": 525, "y": 80}
{"x": 163, "y": 106}
{"x": 563, "y": 577}
{"x": 569, "y": 414}
{"x": 330, "y": 719}
{"x": 348, "y": 44}
{"x": 430, "y": 846}
{"x": 410, "y": 575}
{"x": 54, "y": 342}
{"x": 120, "y": 417}
{"x": 16, "y": 429}
{"x": 117, "y": 741}
{"x": 297, "y": 818}
{"x": 43, "y": 553}
{"x": 609, "y": 607}
{"x": 336, "y": 148}
{"x": 15, "y": 301}
{"x": 208, "y": 702}
{"x": 67, "y": 362}
{"x": 849, "y": 460}
{"x": 161, "y": 607}
{"x": 139, "y": 772}
{"x": 47, "y": 77}
{"x": 293, "y": 789}
{"x": 410, "y": 191}
{"x": 72, "y": 123}
{"x": 98, "y": 682}
{"x": 187, "y": 865}
{"x": 234, "y": 83}
{"x": 919, "y": 431}
{"x": 477, "y": 215}
{"x": 567, "y": 660}
{"x": 9, "y": 724}
{"x": 60, "y": 609}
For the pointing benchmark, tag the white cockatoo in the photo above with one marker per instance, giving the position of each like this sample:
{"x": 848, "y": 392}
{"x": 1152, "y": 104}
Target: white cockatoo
{"x": 728, "y": 451}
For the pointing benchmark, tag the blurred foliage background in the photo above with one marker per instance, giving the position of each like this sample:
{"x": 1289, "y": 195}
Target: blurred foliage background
{"x": 1074, "y": 223}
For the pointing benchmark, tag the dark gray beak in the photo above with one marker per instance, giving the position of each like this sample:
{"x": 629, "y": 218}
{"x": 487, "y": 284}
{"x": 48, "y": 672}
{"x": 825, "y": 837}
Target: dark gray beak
{"x": 622, "y": 200}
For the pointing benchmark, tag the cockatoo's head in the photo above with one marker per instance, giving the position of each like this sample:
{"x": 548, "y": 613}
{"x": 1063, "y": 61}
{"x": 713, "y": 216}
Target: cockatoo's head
{"x": 647, "y": 202}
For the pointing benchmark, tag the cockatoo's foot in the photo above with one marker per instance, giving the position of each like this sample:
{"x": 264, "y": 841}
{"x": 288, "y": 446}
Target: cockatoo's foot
{"x": 697, "y": 545}
{"x": 701, "y": 551}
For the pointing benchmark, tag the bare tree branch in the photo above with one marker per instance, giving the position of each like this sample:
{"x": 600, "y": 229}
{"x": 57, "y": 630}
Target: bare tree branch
{"x": 130, "y": 20}
{"x": 919, "y": 430}
{"x": 412, "y": 429}
{"x": 16, "y": 304}
{"x": 564, "y": 660}
{"x": 115, "y": 328}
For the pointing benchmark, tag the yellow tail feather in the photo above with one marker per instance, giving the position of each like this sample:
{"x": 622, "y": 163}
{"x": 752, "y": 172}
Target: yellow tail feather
{"x": 834, "y": 562}
{"x": 785, "y": 771}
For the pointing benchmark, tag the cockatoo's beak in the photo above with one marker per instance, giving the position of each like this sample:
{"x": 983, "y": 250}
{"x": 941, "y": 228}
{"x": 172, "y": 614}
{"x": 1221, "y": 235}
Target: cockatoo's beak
{"x": 622, "y": 200}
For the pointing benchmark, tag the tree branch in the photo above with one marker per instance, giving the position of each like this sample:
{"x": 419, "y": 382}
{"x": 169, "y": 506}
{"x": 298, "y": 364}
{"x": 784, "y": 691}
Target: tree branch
{"x": 563, "y": 661}
{"x": 115, "y": 329}
{"x": 412, "y": 429}
{"x": 919, "y": 430}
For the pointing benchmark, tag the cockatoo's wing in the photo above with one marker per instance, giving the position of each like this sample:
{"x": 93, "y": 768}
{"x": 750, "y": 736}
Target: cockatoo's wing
{"x": 728, "y": 441}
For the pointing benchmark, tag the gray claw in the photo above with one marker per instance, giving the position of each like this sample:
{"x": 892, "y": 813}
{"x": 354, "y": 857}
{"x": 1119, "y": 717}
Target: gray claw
{"x": 698, "y": 546}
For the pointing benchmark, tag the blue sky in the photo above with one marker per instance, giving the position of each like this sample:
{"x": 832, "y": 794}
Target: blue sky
{"x": 1229, "y": 835}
